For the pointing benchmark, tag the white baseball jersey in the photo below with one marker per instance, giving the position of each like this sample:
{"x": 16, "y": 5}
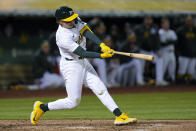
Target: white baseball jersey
{"x": 77, "y": 71}
{"x": 167, "y": 52}
{"x": 68, "y": 40}
{"x": 166, "y": 35}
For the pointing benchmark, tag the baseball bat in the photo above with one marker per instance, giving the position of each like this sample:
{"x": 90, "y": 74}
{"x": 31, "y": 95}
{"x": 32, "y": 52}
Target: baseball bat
{"x": 136, "y": 55}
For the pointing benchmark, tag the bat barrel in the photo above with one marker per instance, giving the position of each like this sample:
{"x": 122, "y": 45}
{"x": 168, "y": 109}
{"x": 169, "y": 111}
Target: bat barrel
{"x": 136, "y": 55}
{"x": 142, "y": 56}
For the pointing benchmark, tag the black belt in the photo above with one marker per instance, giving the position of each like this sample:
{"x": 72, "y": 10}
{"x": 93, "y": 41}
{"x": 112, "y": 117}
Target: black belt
{"x": 73, "y": 59}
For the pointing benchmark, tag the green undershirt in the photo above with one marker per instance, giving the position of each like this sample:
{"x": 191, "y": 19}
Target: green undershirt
{"x": 88, "y": 54}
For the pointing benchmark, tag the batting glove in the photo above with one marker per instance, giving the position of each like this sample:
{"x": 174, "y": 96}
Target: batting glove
{"x": 106, "y": 55}
{"x": 105, "y": 48}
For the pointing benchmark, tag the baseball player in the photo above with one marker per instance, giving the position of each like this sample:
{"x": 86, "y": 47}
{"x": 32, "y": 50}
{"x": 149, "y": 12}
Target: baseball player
{"x": 133, "y": 64}
{"x": 43, "y": 72}
{"x": 76, "y": 70}
{"x": 168, "y": 40}
{"x": 187, "y": 53}
{"x": 147, "y": 39}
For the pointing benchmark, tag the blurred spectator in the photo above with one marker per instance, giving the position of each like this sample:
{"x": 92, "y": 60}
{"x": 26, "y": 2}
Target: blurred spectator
{"x": 130, "y": 64}
{"x": 100, "y": 30}
{"x": 168, "y": 39}
{"x": 9, "y": 30}
{"x": 43, "y": 69}
{"x": 113, "y": 63}
{"x": 187, "y": 52}
{"x": 23, "y": 37}
{"x": 54, "y": 51}
{"x": 100, "y": 65}
{"x": 115, "y": 35}
{"x": 148, "y": 41}
{"x": 127, "y": 29}
{"x": 106, "y": 72}
{"x": 95, "y": 21}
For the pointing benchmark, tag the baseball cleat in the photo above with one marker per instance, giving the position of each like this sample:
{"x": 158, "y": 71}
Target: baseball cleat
{"x": 123, "y": 119}
{"x": 37, "y": 112}
{"x": 162, "y": 83}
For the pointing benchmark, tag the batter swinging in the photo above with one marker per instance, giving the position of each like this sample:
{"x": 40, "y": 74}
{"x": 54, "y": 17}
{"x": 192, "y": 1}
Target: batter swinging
{"x": 76, "y": 70}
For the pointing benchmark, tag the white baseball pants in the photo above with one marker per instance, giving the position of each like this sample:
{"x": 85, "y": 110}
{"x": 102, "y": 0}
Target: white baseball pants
{"x": 169, "y": 61}
{"x": 134, "y": 64}
{"x": 158, "y": 62}
{"x": 51, "y": 80}
{"x": 76, "y": 73}
{"x": 186, "y": 65}
{"x": 101, "y": 68}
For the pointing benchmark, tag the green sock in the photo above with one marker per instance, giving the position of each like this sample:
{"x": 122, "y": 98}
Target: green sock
{"x": 117, "y": 112}
{"x": 44, "y": 107}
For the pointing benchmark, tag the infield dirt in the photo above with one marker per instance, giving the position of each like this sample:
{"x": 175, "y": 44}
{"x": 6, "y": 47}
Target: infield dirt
{"x": 83, "y": 125}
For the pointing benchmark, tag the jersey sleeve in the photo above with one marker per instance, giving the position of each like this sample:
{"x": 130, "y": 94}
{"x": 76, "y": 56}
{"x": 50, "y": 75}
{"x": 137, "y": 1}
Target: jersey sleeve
{"x": 174, "y": 36}
{"x": 82, "y": 26}
{"x": 162, "y": 36}
{"x": 66, "y": 41}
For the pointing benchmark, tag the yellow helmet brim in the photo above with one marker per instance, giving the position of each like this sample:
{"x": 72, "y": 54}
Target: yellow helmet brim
{"x": 70, "y": 18}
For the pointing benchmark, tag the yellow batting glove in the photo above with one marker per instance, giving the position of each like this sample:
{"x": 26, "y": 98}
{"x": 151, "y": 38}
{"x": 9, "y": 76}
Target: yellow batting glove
{"x": 106, "y": 55}
{"x": 105, "y": 48}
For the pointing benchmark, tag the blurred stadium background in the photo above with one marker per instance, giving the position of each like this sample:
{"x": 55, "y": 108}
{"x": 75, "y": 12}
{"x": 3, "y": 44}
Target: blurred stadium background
{"x": 25, "y": 24}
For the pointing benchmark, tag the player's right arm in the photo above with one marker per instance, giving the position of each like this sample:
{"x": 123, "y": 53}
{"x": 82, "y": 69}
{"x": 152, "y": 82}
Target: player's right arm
{"x": 88, "y": 54}
{"x": 88, "y": 33}
{"x": 66, "y": 42}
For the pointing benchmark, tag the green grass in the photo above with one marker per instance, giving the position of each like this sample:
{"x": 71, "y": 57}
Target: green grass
{"x": 166, "y": 106}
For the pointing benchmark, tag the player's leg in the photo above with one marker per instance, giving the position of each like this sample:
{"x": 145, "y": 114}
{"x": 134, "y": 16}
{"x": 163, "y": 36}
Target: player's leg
{"x": 143, "y": 62}
{"x": 183, "y": 64}
{"x": 101, "y": 68}
{"x": 191, "y": 68}
{"x": 51, "y": 80}
{"x": 159, "y": 71}
{"x": 140, "y": 65}
{"x": 139, "y": 73}
{"x": 96, "y": 85}
{"x": 45, "y": 81}
{"x": 112, "y": 74}
{"x": 137, "y": 65}
{"x": 127, "y": 74}
{"x": 131, "y": 79}
{"x": 182, "y": 68}
{"x": 172, "y": 66}
{"x": 73, "y": 74}
{"x": 166, "y": 59}
{"x": 134, "y": 73}
{"x": 119, "y": 73}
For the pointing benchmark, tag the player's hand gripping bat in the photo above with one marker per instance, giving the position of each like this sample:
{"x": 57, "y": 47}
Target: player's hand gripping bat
{"x": 136, "y": 55}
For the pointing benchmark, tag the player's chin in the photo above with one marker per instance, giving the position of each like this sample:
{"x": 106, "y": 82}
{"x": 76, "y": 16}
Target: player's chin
{"x": 70, "y": 27}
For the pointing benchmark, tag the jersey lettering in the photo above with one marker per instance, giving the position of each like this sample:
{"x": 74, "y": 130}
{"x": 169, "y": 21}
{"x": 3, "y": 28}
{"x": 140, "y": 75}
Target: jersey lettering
{"x": 80, "y": 38}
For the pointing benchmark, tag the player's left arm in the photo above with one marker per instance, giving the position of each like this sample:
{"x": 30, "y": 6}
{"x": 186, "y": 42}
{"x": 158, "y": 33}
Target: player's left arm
{"x": 88, "y": 33}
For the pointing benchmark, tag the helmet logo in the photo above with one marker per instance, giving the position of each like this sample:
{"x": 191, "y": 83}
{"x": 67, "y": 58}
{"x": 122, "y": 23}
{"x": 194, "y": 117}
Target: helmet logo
{"x": 71, "y": 12}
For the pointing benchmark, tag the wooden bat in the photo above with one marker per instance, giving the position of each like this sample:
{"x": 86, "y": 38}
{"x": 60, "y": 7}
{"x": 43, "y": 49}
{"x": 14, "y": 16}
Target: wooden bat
{"x": 136, "y": 55}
